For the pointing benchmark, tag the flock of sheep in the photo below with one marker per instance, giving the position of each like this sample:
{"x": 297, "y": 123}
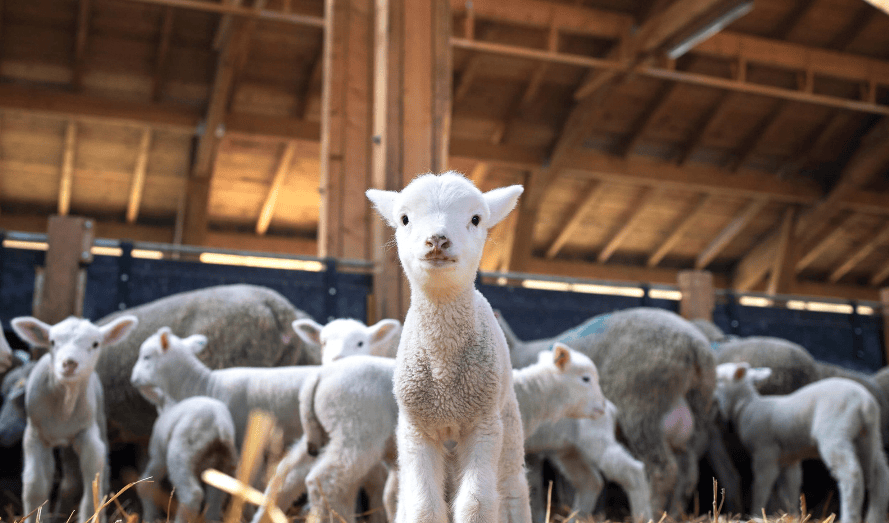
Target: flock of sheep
{"x": 447, "y": 417}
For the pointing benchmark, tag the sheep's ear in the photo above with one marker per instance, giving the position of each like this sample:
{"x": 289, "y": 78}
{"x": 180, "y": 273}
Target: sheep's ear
{"x": 382, "y": 332}
{"x": 561, "y": 356}
{"x": 164, "y": 338}
{"x": 196, "y": 342}
{"x": 308, "y": 330}
{"x": 384, "y": 201}
{"x": 500, "y": 201}
{"x": 118, "y": 329}
{"x": 32, "y": 331}
{"x": 740, "y": 372}
{"x": 759, "y": 373}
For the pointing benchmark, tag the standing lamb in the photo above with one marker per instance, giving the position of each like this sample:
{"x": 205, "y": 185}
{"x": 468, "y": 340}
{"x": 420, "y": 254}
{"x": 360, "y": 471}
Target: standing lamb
{"x": 64, "y": 404}
{"x": 345, "y": 337}
{"x": 453, "y": 380}
{"x": 835, "y": 419}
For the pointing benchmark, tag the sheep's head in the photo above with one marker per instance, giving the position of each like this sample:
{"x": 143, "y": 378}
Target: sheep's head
{"x": 160, "y": 355}
{"x": 441, "y": 223}
{"x": 346, "y": 337}
{"x": 578, "y": 378}
{"x": 734, "y": 379}
{"x": 74, "y": 344}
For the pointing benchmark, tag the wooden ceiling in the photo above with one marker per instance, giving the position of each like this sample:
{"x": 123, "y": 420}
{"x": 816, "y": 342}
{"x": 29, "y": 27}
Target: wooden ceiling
{"x": 761, "y": 154}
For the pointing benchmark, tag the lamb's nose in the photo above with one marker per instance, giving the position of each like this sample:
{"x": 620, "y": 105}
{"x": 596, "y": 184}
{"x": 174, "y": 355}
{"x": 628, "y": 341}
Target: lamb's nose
{"x": 69, "y": 366}
{"x": 438, "y": 242}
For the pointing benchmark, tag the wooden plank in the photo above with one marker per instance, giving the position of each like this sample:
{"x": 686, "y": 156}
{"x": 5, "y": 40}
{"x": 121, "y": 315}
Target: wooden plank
{"x": 311, "y": 78}
{"x": 729, "y": 233}
{"x": 880, "y": 276}
{"x": 756, "y": 136}
{"x": 163, "y": 54}
{"x": 702, "y": 127}
{"x": 792, "y": 19}
{"x": 80, "y": 42}
{"x": 865, "y": 201}
{"x": 698, "y": 297}
{"x": 629, "y": 220}
{"x": 609, "y": 272}
{"x": 855, "y": 27}
{"x": 240, "y": 12}
{"x": 591, "y": 195}
{"x": 67, "y": 175}
{"x": 826, "y": 242}
{"x": 479, "y": 173}
{"x": 138, "y": 183}
{"x": 860, "y": 254}
{"x": 782, "y": 268}
{"x": 686, "y": 221}
{"x": 268, "y": 208}
{"x": 70, "y": 239}
{"x": 645, "y": 118}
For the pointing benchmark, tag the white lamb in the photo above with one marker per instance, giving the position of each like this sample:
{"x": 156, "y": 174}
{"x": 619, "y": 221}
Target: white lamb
{"x": 835, "y": 419}
{"x": 347, "y": 337}
{"x": 6, "y": 357}
{"x": 453, "y": 380}
{"x": 65, "y": 405}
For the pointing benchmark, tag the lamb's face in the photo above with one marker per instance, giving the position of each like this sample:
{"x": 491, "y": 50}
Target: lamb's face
{"x": 441, "y": 223}
{"x": 345, "y": 337}
{"x": 733, "y": 380}
{"x": 74, "y": 343}
{"x": 580, "y": 379}
{"x": 159, "y": 355}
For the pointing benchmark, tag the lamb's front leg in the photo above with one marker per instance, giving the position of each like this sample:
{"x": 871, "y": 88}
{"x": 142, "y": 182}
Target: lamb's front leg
{"x": 477, "y": 497}
{"x": 515, "y": 504}
{"x": 38, "y": 471}
{"x": 93, "y": 456}
{"x": 421, "y": 464}
{"x": 765, "y": 473}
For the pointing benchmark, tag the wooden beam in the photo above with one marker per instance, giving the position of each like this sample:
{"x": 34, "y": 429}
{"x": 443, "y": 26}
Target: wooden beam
{"x": 588, "y": 200}
{"x": 826, "y": 242}
{"x": 628, "y": 220}
{"x": 312, "y": 77}
{"x": 792, "y": 19}
{"x": 80, "y": 42}
{"x": 698, "y": 299}
{"x": 856, "y": 25}
{"x": 139, "y": 177}
{"x": 860, "y": 254}
{"x": 479, "y": 173}
{"x": 163, "y": 53}
{"x": 729, "y": 233}
{"x": 867, "y": 202}
{"x": 61, "y": 295}
{"x": 67, "y": 177}
{"x": 268, "y": 208}
{"x": 688, "y": 218}
{"x": 812, "y": 144}
{"x": 702, "y": 127}
{"x": 645, "y": 118}
{"x": 782, "y": 268}
{"x": 880, "y": 276}
{"x": 240, "y": 12}
{"x": 756, "y": 136}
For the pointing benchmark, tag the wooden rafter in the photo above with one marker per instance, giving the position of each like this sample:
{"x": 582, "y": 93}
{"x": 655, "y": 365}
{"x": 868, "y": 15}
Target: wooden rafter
{"x": 756, "y": 136}
{"x": 792, "y": 19}
{"x": 686, "y": 221}
{"x": 242, "y": 13}
{"x": 66, "y": 183}
{"x": 827, "y": 241}
{"x": 782, "y": 273}
{"x": 860, "y": 254}
{"x": 814, "y": 142}
{"x": 859, "y": 22}
{"x": 880, "y": 276}
{"x": 645, "y": 119}
{"x": 729, "y": 233}
{"x": 80, "y": 42}
{"x": 271, "y": 200}
{"x": 701, "y": 128}
{"x": 163, "y": 53}
{"x": 312, "y": 78}
{"x": 591, "y": 195}
{"x": 629, "y": 220}
{"x": 139, "y": 173}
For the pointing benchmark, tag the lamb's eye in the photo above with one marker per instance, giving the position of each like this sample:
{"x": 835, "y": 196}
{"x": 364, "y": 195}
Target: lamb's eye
{"x": 586, "y": 379}
{"x": 52, "y": 343}
{"x": 361, "y": 344}
{"x": 476, "y": 219}
{"x": 404, "y": 219}
{"x": 95, "y": 344}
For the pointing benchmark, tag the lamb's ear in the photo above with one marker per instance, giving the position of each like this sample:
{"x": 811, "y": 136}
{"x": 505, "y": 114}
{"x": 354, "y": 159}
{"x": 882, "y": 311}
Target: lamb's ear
{"x": 741, "y": 371}
{"x": 195, "y": 343}
{"x": 501, "y": 201}
{"x": 308, "y": 330}
{"x": 561, "y": 356}
{"x": 118, "y": 329}
{"x": 163, "y": 336}
{"x": 384, "y": 201}
{"x": 32, "y": 331}
{"x": 382, "y": 332}
{"x": 759, "y": 373}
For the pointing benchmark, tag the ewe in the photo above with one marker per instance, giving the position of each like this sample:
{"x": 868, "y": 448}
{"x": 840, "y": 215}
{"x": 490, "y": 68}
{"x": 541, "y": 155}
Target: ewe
{"x": 835, "y": 419}
{"x": 453, "y": 380}
{"x": 64, "y": 404}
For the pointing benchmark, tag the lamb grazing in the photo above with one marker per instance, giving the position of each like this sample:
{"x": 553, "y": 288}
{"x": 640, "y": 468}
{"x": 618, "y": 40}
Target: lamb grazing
{"x": 188, "y": 437}
{"x": 835, "y": 419}
{"x": 170, "y": 364}
{"x": 64, "y": 404}
{"x": 246, "y": 326}
{"x": 658, "y": 370}
{"x": 452, "y": 380}
{"x": 347, "y": 337}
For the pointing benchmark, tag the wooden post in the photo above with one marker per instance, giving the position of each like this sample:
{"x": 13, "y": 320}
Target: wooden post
{"x": 698, "y": 298}
{"x": 884, "y": 299}
{"x": 70, "y": 239}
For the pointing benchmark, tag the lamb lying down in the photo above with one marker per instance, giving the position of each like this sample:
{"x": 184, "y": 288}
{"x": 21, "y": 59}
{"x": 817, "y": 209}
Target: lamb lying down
{"x": 189, "y": 437}
{"x": 835, "y": 419}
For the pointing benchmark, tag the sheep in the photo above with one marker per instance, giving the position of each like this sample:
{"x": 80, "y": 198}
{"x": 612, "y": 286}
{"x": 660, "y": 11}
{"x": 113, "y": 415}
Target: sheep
{"x": 792, "y": 365}
{"x": 835, "y": 419}
{"x": 346, "y": 337}
{"x": 7, "y": 360}
{"x": 452, "y": 379}
{"x": 64, "y": 404}
{"x": 188, "y": 437}
{"x": 12, "y": 415}
{"x": 658, "y": 370}
{"x": 246, "y": 325}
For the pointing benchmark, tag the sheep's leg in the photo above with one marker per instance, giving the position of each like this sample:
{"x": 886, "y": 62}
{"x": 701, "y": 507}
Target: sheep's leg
{"x": 69, "y": 490}
{"x": 514, "y": 505}
{"x": 477, "y": 498}
{"x": 619, "y": 466}
{"x": 156, "y": 470}
{"x": 876, "y": 475}
{"x": 646, "y": 440}
{"x": 390, "y": 494}
{"x": 93, "y": 456}
{"x": 788, "y": 487}
{"x": 534, "y": 472}
{"x": 38, "y": 471}
{"x": 289, "y": 477}
{"x": 189, "y": 493}
{"x": 586, "y": 480}
{"x": 727, "y": 475}
{"x": 765, "y": 473}
{"x": 840, "y": 457}
{"x": 334, "y": 480}
{"x": 421, "y": 464}
{"x": 374, "y": 487}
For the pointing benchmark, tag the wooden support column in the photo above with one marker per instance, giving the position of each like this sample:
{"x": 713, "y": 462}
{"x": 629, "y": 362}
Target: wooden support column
{"x": 411, "y": 120}
{"x": 61, "y": 295}
{"x": 784, "y": 263}
{"x": 698, "y": 299}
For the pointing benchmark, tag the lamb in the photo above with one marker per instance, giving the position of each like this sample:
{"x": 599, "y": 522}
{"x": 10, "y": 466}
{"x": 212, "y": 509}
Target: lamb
{"x": 792, "y": 365}
{"x": 452, "y": 379}
{"x": 188, "y": 437}
{"x": 64, "y": 404}
{"x": 7, "y": 360}
{"x": 658, "y": 370}
{"x": 345, "y": 337}
{"x": 246, "y": 325}
{"x": 12, "y": 415}
{"x": 835, "y": 417}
